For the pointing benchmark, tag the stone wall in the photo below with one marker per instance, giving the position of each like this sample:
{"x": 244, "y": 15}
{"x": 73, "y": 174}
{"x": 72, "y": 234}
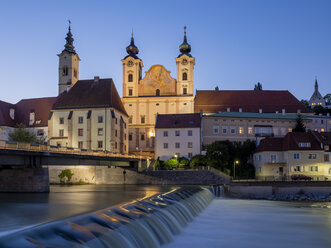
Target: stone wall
{"x": 24, "y": 180}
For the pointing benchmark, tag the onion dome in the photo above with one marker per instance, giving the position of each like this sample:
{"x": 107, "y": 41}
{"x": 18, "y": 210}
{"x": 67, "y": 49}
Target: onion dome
{"x": 69, "y": 47}
{"x": 132, "y": 50}
{"x": 185, "y": 48}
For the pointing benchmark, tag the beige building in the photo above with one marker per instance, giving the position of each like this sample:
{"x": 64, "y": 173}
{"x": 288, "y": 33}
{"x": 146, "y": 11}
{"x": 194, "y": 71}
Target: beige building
{"x": 155, "y": 93}
{"x": 240, "y": 126}
{"x": 295, "y": 154}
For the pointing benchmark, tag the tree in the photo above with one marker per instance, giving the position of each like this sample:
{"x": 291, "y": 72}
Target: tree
{"x": 67, "y": 173}
{"x": 306, "y": 103}
{"x": 22, "y": 134}
{"x": 300, "y": 127}
{"x": 183, "y": 162}
{"x": 258, "y": 86}
{"x": 198, "y": 160}
{"x": 171, "y": 163}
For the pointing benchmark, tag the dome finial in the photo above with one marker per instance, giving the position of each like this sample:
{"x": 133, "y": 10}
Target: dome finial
{"x": 69, "y": 47}
{"x": 132, "y": 50}
{"x": 185, "y": 48}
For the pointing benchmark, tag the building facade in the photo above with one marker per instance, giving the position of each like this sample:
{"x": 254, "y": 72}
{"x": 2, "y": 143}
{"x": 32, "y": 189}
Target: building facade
{"x": 155, "y": 93}
{"x": 321, "y": 123}
{"x": 295, "y": 154}
{"x": 177, "y": 136}
{"x": 240, "y": 126}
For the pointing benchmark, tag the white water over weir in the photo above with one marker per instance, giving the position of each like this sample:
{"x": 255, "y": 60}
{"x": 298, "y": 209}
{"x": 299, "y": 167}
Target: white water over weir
{"x": 150, "y": 222}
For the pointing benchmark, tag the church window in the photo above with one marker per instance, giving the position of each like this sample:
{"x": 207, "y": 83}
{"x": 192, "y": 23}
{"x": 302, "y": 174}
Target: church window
{"x": 65, "y": 71}
{"x": 130, "y": 137}
{"x": 130, "y": 78}
{"x": 130, "y": 92}
{"x": 142, "y": 136}
{"x": 184, "y": 91}
{"x": 130, "y": 119}
{"x": 142, "y": 119}
{"x": 184, "y": 76}
{"x": 75, "y": 73}
{"x": 157, "y": 92}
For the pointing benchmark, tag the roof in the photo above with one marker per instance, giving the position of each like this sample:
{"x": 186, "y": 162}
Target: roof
{"x": 92, "y": 93}
{"x": 270, "y": 101}
{"x": 289, "y": 142}
{"x": 324, "y": 137}
{"x": 5, "y": 119}
{"x": 178, "y": 121}
{"x": 256, "y": 115}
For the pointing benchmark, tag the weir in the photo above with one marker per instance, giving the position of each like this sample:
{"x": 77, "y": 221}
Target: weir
{"x": 148, "y": 222}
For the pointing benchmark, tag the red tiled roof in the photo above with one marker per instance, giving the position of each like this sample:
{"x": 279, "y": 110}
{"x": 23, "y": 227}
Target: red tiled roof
{"x": 270, "y": 101}
{"x": 289, "y": 142}
{"x": 92, "y": 94}
{"x": 5, "y": 119}
{"x": 178, "y": 121}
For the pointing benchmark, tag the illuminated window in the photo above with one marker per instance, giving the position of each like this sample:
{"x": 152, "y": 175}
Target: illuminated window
{"x": 130, "y": 78}
{"x": 184, "y": 76}
{"x": 304, "y": 144}
{"x": 312, "y": 156}
{"x": 313, "y": 168}
{"x": 99, "y": 144}
{"x": 100, "y": 131}
{"x": 241, "y": 130}
{"x": 290, "y": 130}
{"x": 250, "y": 130}
{"x": 322, "y": 130}
{"x": 189, "y": 145}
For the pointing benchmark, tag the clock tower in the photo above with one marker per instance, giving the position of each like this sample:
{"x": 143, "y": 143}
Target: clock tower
{"x": 185, "y": 66}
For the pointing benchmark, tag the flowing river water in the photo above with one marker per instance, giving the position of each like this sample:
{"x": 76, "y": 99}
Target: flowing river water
{"x": 224, "y": 223}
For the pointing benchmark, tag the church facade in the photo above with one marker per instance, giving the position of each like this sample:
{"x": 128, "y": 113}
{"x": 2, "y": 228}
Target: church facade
{"x": 155, "y": 93}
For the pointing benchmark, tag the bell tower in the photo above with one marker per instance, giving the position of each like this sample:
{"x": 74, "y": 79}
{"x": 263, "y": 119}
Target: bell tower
{"x": 185, "y": 67}
{"x": 68, "y": 64}
{"x": 132, "y": 70}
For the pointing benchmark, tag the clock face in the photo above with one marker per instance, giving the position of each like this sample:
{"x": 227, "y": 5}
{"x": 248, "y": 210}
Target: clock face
{"x": 184, "y": 62}
{"x": 130, "y": 63}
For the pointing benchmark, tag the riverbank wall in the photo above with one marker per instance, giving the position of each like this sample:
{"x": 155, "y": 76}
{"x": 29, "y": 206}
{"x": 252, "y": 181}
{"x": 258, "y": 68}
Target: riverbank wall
{"x": 24, "y": 180}
{"x": 287, "y": 191}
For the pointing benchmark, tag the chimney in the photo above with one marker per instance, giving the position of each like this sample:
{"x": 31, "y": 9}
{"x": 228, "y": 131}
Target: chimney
{"x": 277, "y": 112}
{"x": 96, "y": 79}
{"x": 260, "y": 111}
{"x": 12, "y": 113}
{"x": 328, "y": 114}
{"x": 283, "y": 112}
{"x": 228, "y": 109}
{"x": 299, "y": 111}
{"x": 320, "y": 114}
{"x": 240, "y": 110}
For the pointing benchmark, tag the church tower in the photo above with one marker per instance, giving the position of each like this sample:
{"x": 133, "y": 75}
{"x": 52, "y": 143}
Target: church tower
{"x": 68, "y": 64}
{"x": 185, "y": 66}
{"x": 132, "y": 70}
{"x": 316, "y": 99}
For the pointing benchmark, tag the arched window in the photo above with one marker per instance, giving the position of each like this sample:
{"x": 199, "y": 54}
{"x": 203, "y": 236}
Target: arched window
{"x": 130, "y": 78}
{"x": 65, "y": 71}
{"x": 184, "y": 76}
{"x": 157, "y": 92}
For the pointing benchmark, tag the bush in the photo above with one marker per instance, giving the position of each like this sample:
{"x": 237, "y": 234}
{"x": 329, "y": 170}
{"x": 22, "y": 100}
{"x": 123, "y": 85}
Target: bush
{"x": 183, "y": 162}
{"x": 65, "y": 176}
{"x": 198, "y": 160}
{"x": 171, "y": 163}
{"x": 159, "y": 164}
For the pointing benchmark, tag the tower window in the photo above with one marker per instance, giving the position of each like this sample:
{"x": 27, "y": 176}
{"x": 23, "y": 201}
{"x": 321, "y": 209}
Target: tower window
{"x": 184, "y": 91}
{"x": 130, "y": 92}
{"x": 142, "y": 119}
{"x": 130, "y": 78}
{"x": 75, "y": 73}
{"x": 65, "y": 71}
{"x": 130, "y": 119}
{"x": 157, "y": 92}
{"x": 184, "y": 76}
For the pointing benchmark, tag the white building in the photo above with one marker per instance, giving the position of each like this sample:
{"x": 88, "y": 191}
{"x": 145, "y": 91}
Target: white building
{"x": 177, "y": 135}
{"x": 321, "y": 123}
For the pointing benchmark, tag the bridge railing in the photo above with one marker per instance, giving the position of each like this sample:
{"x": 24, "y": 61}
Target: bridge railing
{"x": 64, "y": 150}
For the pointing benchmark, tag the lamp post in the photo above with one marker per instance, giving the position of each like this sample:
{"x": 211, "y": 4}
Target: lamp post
{"x": 234, "y": 167}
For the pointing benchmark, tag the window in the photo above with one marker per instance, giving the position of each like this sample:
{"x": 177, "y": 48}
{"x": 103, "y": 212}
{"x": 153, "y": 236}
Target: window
{"x": 115, "y": 132}
{"x": 296, "y": 155}
{"x": 130, "y": 119}
{"x": 115, "y": 120}
{"x": 250, "y": 130}
{"x": 80, "y": 132}
{"x": 312, "y": 156}
{"x": 61, "y": 120}
{"x": 241, "y": 130}
{"x": 304, "y": 144}
{"x": 177, "y": 145}
{"x": 130, "y": 137}
{"x": 189, "y": 145}
{"x": 189, "y": 133}
{"x": 80, "y": 119}
{"x": 233, "y": 130}
{"x": 313, "y": 168}
{"x": 165, "y": 133}
{"x": 190, "y": 155}
{"x": 80, "y": 144}
{"x": 177, "y": 133}
{"x": 322, "y": 121}
{"x": 75, "y": 73}
{"x": 100, "y": 119}
{"x": 224, "y": 130}
{"x": 142, "y": 137}
{"x": 326, "y": 158}
{"x": 130, "y": 78}
{"x": 142, "y": 119}
{"x": 157, "y": 93}
{"x": 290, "y": 130}
{"x": 184, "y": 91}
{"x": 100, "y": 131}
{"x": 61, "y": 132}
{"x": 130, "y": 92}
{"x": 165, "y": 145}
{"x": 99, "y": 144}
{"x": 65, "y": 71}
{"x": 273, "y": 158}
{"x": 40, "y": 132}
{"x": 215, "y": 130}
{"x": 184, "y": 76}
{"x": 322, "y": 130}
{"x": 260, "y": 157}
{"x": 115, "y": 145}
{"x": 297, "y": 168}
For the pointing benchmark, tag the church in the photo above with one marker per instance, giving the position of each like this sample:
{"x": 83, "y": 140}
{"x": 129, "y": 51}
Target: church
{"x": 156, "y": 92}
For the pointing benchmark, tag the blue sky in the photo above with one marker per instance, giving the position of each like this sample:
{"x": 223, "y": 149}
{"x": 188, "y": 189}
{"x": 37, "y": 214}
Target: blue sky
{"x": 283, "y": 44}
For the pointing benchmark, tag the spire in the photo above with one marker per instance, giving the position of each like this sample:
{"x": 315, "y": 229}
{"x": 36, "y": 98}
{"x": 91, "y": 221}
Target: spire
{"x": 316, "y": 84}
{"x": 69, "y": 47}
{"x": 132, "y": 50}
{"x": 185, "y": 48}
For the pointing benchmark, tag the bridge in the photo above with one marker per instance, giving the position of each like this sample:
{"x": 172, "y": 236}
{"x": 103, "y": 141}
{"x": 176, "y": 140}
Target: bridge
{"x": 13, "y": 154}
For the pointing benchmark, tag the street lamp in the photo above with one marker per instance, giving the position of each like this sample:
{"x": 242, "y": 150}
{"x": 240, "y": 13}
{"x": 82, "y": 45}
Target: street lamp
{"x": 234, "y": 167}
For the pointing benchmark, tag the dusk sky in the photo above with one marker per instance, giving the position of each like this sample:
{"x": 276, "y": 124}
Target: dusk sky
{"x": 283, "y": 44}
